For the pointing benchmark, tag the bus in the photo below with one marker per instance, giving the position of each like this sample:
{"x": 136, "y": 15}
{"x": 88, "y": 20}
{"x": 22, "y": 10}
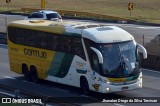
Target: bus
{"x": 92, "y": 57}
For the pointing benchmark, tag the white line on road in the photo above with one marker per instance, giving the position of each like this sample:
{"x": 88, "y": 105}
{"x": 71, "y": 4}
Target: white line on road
{"x": 118, "y": 104}
{"x": 151, "y": 71}
{"x": 4, "y": 45}
{"x": 151, "y": 77}
{"x": 8, "y": 94}
{"x": 7, "y": 77}
{"x": 148, "y": 27}
{"x": 132, "y": 26}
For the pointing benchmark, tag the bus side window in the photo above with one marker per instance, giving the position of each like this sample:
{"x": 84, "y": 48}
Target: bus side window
{"x": 64, "y": 44}
{"x": 50, "y": 41}
{"x": 41, "y": 40}
{"x": 77, "y": 47}
{"x": 29, "y": 38}
{"x": 12, "y": 34}
{"x": 20, "y": 36}
{"x": 93, "y": 58}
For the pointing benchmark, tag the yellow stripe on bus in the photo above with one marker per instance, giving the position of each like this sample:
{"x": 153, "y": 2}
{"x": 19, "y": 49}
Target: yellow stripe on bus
{"x": 117, "y": 79}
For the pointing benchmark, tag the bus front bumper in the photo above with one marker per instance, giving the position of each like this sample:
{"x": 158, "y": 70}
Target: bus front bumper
{"x": 109, "y": 88}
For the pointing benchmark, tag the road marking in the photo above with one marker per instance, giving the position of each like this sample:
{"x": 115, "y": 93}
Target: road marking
{"x": 118, "y": 104}
{"x": 7, "y": 77}
{"x": 151, "y": 70}
{"x": 8, "y": 94}
{"x": 4, "y": 45}
{"x": 33, "y": 83}
{"x": 148, "y": 27}
{"x": 133, "y": 26}
{"x": 150, "y": 76}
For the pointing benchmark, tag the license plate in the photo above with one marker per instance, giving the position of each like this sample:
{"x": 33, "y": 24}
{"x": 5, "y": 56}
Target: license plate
{"x": 125, "y": 88}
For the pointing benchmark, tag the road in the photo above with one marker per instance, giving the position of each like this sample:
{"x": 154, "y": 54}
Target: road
{"x": 151, "y": 86}
{"x": 137, "y": 31}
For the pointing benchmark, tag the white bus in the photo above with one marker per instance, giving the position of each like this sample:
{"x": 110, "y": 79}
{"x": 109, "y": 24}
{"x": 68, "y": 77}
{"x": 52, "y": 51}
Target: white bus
{"x": 90, "y": 56}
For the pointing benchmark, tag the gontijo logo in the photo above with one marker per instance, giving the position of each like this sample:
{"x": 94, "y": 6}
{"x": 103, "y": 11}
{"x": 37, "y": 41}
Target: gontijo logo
{"x": 35, "y": 53}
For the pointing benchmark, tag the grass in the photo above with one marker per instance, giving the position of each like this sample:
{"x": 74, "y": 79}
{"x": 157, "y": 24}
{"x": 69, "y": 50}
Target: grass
{"x": 144, "y": 10}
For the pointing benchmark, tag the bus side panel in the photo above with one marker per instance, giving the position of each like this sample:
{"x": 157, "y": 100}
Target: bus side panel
{"x": 14, "y": 58}
{"x": 20, "y": 54}
{"x": 68, "y": 70}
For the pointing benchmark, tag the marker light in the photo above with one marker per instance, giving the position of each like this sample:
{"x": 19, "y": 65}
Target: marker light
{"x": 108, "y": 82}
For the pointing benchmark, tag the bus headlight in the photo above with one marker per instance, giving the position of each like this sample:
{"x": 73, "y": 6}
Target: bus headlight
{"x": 140, "y": 85}
{"x": 108, "y": 89}
{"x": 140, "y": 78}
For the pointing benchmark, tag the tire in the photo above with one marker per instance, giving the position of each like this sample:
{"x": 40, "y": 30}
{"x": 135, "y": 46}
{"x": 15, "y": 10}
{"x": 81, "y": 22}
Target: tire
{"x": 34, "y": 75}
{"x": 84, "y": 86}
{"x": 26, "y": 72}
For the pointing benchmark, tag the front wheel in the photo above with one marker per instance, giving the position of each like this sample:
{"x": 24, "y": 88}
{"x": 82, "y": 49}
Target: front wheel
{"x": 85, "y": 86}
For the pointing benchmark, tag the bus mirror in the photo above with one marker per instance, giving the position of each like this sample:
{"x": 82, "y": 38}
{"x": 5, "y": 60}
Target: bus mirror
{"x": 143, "y": 51}
{"x": 100, "y": 57}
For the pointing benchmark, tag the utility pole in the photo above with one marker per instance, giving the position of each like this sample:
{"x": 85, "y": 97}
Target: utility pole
{"x": 43, "y": 4}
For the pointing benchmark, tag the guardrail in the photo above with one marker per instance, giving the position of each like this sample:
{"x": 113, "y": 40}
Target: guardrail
{"x": 79, "y": 14}
{"x": 152, "y": 62}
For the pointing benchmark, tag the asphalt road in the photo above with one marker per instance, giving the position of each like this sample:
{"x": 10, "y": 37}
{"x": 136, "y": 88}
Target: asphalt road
{"x": 137, "y": 31}
{"x": 151, "y": 86}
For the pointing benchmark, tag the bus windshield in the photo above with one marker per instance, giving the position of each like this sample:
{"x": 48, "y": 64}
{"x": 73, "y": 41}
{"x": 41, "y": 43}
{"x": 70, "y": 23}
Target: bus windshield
{"x": 118, "y": 58}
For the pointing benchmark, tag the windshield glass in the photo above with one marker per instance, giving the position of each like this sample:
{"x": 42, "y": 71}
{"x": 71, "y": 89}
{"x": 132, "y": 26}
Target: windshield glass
{"x": 118, "y": 58}
{"x": 52, "y": 15}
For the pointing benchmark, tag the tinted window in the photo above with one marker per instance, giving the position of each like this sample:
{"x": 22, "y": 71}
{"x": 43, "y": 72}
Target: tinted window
{"x": 36, "y": 15}
{"x": 19, "y": 36}
{"x": 30, "y": 37}
{"x": 53, "y": 15}
{"x": 12, "y": 34}
{"x": 41, "y": 40}
{"x": 52, "y": 41}
{"x": 45, "y": 40}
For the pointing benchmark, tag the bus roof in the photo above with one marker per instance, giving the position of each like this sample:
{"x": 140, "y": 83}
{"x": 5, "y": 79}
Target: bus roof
{"x": 94, "y": 32}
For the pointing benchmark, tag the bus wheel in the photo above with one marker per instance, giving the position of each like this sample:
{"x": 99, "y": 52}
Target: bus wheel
{"x": 26, "y": 73}
{"x": 34, "y": 75}
{"x": 84, "y": 85}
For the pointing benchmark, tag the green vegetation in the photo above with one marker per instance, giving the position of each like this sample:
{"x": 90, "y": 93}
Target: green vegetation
{"x": 144, "y": 10}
